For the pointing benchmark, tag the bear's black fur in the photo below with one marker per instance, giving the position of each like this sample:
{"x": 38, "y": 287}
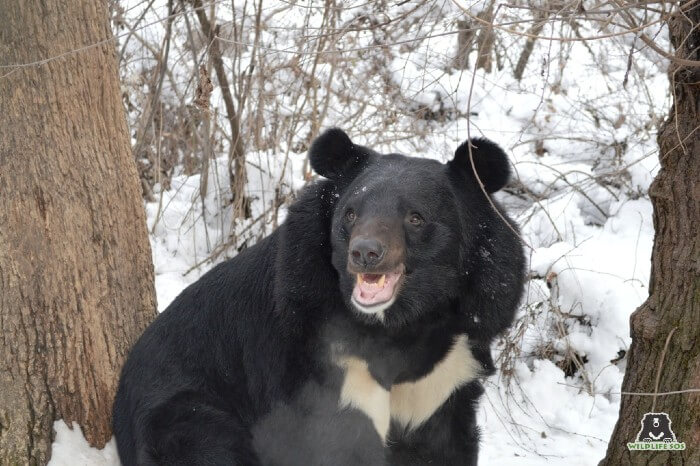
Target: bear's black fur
{"x": 247, "y": 365}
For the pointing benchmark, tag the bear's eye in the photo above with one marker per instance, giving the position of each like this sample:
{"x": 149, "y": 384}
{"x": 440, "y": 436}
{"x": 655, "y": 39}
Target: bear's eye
{"x": 416, "y": 220}
{"x": 350, "y": 215}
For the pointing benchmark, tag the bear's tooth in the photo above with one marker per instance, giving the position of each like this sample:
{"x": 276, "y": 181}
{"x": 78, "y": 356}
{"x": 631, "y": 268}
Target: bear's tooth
{"x": 382, "y": 279}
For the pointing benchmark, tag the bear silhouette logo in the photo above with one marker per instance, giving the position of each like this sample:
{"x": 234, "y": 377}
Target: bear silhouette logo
{"x": 656, "y": 427}
{"x": 656, "y": 434}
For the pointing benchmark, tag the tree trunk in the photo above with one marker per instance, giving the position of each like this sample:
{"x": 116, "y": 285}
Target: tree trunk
{"x": 540, "y": 20}
{"x": 672, "y": 311}
{"x": 76, "y": 277}
{"x": 236, "y": 160}
{"x": 486, "y": 40}
{"x": 465, "y": 39}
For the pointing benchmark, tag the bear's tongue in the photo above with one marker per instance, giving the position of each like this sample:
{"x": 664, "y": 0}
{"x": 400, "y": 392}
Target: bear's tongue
{"x": 372, "y": 289}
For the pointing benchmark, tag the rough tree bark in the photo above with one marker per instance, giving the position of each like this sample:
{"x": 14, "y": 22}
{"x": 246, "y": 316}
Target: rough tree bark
{"x": 76, "y": 278}
{"x": 672, "y": 311}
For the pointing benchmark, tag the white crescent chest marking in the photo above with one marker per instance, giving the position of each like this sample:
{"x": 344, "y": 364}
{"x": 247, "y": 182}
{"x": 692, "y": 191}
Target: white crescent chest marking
{"x": 412, "y": 403}
{"x": 409, "y": 403}
{"x": 361, "y": 391}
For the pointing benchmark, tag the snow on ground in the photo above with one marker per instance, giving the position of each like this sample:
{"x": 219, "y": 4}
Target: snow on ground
{"x": 71, "y": 449}
{"x": 542, "y": 415}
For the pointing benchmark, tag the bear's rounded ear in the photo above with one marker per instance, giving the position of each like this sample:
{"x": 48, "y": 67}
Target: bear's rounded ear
{"x": 490, "y": 161}
{"x": 334, "y": 156}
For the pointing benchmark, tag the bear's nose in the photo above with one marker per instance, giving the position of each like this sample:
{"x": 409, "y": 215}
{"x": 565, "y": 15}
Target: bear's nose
{"x": 366, "y": 252}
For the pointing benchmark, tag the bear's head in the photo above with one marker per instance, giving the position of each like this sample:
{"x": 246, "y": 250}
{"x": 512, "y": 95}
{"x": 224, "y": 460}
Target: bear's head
{"x": 406, "y": 232}
{"x": 656, "y": 427}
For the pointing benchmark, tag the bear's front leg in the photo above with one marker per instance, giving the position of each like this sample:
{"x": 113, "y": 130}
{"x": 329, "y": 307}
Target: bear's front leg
{"x": 450, "y": 437}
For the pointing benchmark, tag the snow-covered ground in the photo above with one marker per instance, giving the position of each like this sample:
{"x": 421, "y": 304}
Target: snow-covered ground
{"x": 580, "y": 130}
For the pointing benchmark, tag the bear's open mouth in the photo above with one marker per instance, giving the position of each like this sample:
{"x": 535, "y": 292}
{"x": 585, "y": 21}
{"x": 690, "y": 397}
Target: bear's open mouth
{"x": 374, "y": 289}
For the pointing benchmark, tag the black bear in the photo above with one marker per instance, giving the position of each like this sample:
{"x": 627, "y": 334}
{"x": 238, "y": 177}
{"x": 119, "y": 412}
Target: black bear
{"x": 355, "y": 334}
{"x": 656, "y": 427}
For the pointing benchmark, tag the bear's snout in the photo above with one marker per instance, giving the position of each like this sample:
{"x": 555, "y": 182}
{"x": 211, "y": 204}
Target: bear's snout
{"x": 366, "y": 253}
{"x": 376, "y": 245}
